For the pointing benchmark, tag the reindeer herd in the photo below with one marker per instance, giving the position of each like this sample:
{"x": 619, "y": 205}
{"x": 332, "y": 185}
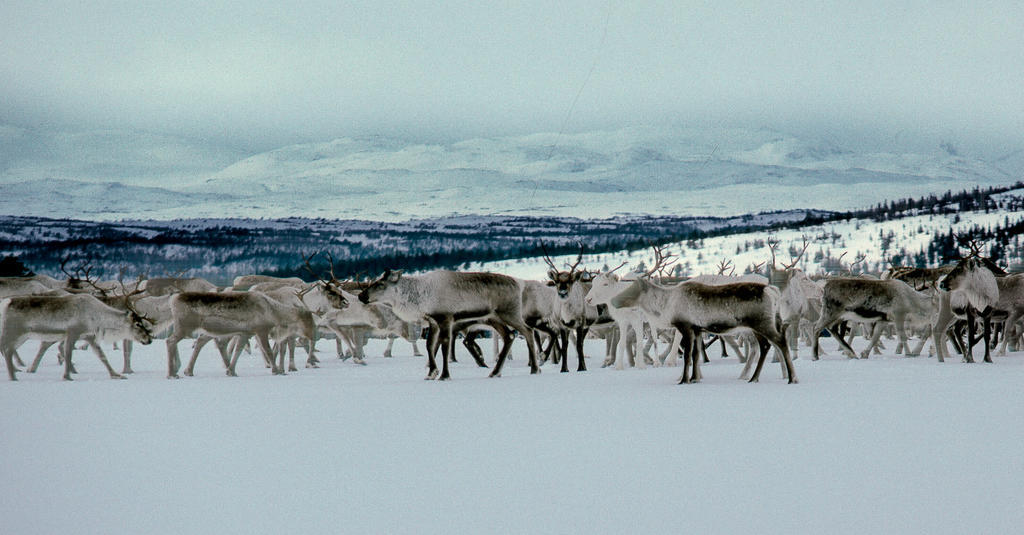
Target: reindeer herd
{"x": 634, "y": 313}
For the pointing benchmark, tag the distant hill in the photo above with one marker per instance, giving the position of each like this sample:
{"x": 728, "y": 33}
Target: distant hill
{"x": 641, "y": 171}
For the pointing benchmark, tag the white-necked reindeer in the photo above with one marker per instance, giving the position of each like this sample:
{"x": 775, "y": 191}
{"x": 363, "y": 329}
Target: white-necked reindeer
{"x": 695, "y": 307}
{"x": 448, "y": 300}
{"x": 973, "y": 291}
{"x": 66, "y": 318}
{"x": 794, "y": 304}
{"x": 605, "y": 286}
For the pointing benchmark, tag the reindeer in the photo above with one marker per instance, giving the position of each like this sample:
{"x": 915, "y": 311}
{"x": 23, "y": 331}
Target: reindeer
{"x": 448, "y": 299}
{"x": 10, "y": 287}
{"x": 870, "y": 301}
{"x": 973, "y": 291}
{"x": 242, "y": 283}
{"x": 574, "y": 313}
{"x": 232, "y": 314}
{"x": 606, "y": 286}
{"x": 67, "y": 318}
{"x": 694, "y": 307}
{"x": 168, "y": 285}
{"x": 1011, "y": 303}
{"x": 542, "y": 311}
{"x": 794, "y": 304}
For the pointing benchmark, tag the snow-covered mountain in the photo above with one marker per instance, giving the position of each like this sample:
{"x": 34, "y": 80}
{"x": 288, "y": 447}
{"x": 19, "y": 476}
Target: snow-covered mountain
{"x": 596, "y": 174}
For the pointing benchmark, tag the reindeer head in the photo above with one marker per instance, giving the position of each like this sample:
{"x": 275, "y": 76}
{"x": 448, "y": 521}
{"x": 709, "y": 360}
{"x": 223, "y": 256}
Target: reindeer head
{"x": 970, "y": 268}
{"x": 382, "y": 290}
{"x": 562, "y": 281}
{"x": 140, "y": 324}
{"x": 331, "y": 288}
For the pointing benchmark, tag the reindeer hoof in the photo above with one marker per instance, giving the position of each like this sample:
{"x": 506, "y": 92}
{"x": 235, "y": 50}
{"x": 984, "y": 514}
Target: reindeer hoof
{"x": 117, "y": 376}
{"x": 187, "y": 373}
{"x": 173, "y": 376}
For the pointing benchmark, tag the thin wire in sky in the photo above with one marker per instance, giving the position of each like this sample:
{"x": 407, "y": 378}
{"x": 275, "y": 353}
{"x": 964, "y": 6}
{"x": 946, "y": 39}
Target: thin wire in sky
{"x": 576, "y": 99}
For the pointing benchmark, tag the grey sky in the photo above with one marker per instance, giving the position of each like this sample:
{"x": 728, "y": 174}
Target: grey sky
{"x": 265, "y": 74}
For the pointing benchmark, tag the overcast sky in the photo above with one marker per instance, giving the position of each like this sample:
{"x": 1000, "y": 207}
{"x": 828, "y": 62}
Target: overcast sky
{"x": 260, "y": 75}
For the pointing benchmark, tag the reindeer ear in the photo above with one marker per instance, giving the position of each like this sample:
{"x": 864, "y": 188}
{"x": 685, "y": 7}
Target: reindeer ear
{"x": 553, "y": 275}
{"x": 577, "y": 276}
{"x": 551, "y": 284}
{"x": 395, "y": 275}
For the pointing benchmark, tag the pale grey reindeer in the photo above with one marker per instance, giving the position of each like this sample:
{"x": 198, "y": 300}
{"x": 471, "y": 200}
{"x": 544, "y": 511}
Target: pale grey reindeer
{"x": 542, "y": 310}
{"x": 695, "y": 307}
{"x": 870, "y": 301}
{"x": 231, "y": 314}
{"x": 448, "y": 300}
{"x": 242, "y": 283}
{"x": 1011, "y": 303}
{"x": 927, "y": 280}
{"x": 973, "y": 291}
{"x": 167, "y": 285}
{"x": 66, "y": 318}
{"x": 629, "y": 319}
{"x": 794, "y": 304}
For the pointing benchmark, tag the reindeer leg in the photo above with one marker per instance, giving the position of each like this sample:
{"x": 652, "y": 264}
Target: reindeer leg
{"x": 448, "y": 349}
{"x": 698, "y": 355}
{"x": 311, "y": 360}
{"x": 126, "y": 350}
{"x": 969, "y": 348}
{"x": 433, "y": 343}
{"x": 103, "y": 358}
{"x": 873, "y": 343}
{"x": 43, "y": 346}
{"x": 987, "y": 330}
{"x": 69, "y": 345}
{"x": 172, "y": 355}
{"x": 291, "y": 355}
{"x": 9, "y": 360}
{"x": 196, "y": 348}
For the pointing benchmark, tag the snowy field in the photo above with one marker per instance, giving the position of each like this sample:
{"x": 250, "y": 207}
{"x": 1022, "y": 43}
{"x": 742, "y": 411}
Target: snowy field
{"x": 886, "y": 445}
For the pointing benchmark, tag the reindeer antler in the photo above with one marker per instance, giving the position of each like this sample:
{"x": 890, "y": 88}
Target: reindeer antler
{"x": 661, "y": 261}
{"x": 797, "y": 258}
{"x": 619, "y": 267}
{"x": 724, "y": 265}
{"x": 547, "y": 257}
{"x": 572, "y": 268}
{"x": 773, "y": 243}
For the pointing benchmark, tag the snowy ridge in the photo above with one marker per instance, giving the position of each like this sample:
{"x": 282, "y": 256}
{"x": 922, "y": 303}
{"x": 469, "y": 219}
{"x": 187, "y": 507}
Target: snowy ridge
{"x": 652, "y": 171}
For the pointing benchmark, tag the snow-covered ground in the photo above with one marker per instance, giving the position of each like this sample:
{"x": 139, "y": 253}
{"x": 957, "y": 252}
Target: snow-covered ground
{"x": 886, "y": 445}
{"x": 877, "y": 242}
